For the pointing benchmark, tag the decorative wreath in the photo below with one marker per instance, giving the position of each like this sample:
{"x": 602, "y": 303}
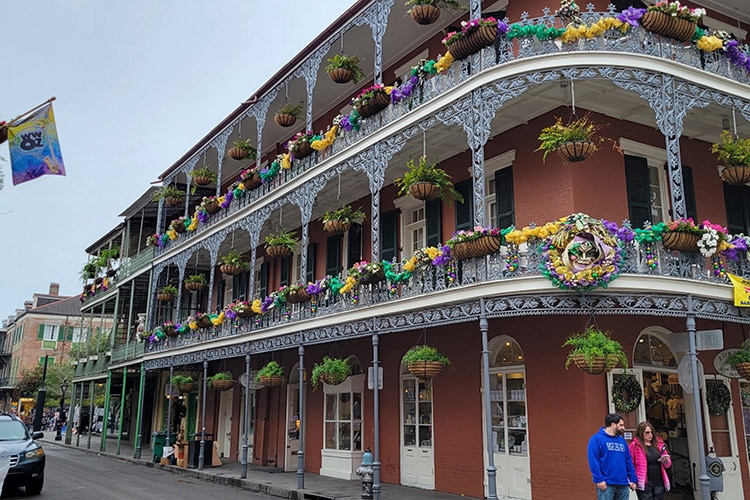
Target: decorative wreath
{"x": 627, "y": 384}
{"x": 718, "y": 398}
{"x": 585, "y": 253}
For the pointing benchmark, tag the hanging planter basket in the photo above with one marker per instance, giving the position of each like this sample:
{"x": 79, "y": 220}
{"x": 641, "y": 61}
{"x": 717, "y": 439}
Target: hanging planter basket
{"x": 170, "y": 331}
{"x": 670, "y": 26}
{"x": 424, "y": 14}
{"x": 179, "y": 228}
{"x": 341, "y": 75}
{"x": 743, "y": 369}
{"x": 187, "y": 387}
{"x": 252, "y": 182}
{"x": 285, "y": 119}
{"x": 230, "y": 269}
{"x": 245, "y": 314}
{"x": 425, "y": 370}
{"x": 174, "y": 201}
{"x": 164, "y": 297}
{"x": 684, "y": 242}
{"x": 484, "y": 245}
{"x": 473, "y": 42}
{"x": 201, "y": 181}
{"x": 374, "y": 278}
{"x": 272, "y": 381}
{"x": 332, "y": 378}
{"x": 278, "y": 250}
{"x": 222, "y": 385}
{"x": 425, "y": 191}
{"x": 204, "y": 322}
{"x": 575, "y": 151}
{"x": 297, "y": 296}
{"x": 213, "y": 208}
{"x": 237, "y": 153}
{"x": 336, "y": 226}
{"x": 735, "y": 176}
{"x": 599, "y": 364}
{"x": 303, "y": 151}
{"x": 194, "y": 287}
{"x": 374, "y": 105}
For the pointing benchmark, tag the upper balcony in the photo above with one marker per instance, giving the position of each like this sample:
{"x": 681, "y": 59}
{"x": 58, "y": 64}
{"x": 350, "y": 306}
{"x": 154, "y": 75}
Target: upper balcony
{"x": 529, "y": 60}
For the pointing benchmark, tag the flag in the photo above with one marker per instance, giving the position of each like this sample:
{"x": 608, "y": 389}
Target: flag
{"x": 741, "y": 290}
{"x": 34, "y": 147}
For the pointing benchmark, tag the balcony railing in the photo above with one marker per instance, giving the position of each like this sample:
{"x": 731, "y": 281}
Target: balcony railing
{"x": 494, "y": 268}
{"x": 635, "y": 41}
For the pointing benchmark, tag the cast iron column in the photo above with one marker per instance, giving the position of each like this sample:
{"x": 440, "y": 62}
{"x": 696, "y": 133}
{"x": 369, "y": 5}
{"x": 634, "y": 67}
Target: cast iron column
{"x": 490, "y": 446}
{"x": 376, "y": 486}
{"x": 247, "y": 417}
{"x": 138, "y": 428}
{"x": 693, "y": 353}
{"x": 301, "y": 436}
{"x": 201, "y": 455}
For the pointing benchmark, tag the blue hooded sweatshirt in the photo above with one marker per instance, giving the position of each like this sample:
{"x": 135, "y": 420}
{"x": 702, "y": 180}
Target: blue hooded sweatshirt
{"x": 609, "y": 459}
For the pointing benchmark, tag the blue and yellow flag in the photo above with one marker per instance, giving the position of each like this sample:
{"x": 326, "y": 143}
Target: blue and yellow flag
{"x": 741, "y": 290}
{"x": 34, "y": 147}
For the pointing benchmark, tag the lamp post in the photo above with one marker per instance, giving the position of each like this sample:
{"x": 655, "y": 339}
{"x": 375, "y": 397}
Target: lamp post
{"x": 61, "y": 418}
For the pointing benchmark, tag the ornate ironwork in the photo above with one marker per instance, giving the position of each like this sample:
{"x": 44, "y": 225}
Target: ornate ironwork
{"x": 376, "y": 16}
{"x": 220, "y": 144}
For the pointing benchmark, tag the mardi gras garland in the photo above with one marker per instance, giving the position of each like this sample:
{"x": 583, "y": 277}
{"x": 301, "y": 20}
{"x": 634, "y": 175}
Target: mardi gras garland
{"x": 627, "y": 384}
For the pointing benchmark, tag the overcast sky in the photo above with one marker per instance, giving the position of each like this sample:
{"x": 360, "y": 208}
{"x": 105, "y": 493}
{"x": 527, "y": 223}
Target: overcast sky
{"x": 138, "y": 83}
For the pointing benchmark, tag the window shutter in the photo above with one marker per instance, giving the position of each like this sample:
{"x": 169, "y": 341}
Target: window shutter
{"x": 688, "y": 187}
{"x": 310, "y": 263}
{"x": 355, "y": 244}
{"x": 734, "y": 199}
{"x": 333, "y": 254}
{"x": 40, "y": 333}
{"x": 263, "y": 291}
{"x": 239, "y": 286}
{"x": 220, "y": 293}
{"x": 434, "y": 216}
{"x": 286, "y": 270}
{"x": 389, "y": 235}
{"x": 505, "y": 205}
{"x": 465, "y": 210}
{"x": 61, "y": 333}
{"x": 638, "y": 188}
{"x": 69, "y": 334}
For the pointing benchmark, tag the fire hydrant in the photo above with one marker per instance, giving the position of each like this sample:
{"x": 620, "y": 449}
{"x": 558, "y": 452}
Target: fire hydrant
{"x": 366, "y": 472}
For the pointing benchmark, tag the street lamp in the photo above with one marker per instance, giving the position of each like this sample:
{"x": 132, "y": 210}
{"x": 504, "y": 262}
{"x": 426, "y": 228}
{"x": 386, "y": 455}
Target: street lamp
{"x": 61, "y": 418}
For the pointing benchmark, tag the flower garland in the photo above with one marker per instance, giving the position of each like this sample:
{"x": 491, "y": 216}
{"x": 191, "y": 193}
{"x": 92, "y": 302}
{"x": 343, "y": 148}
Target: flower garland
{"x": 718, "y": 398}
{"x": 626, "y": 384}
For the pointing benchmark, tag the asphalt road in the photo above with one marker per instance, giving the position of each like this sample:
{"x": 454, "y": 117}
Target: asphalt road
{"x": 75, "y": 475}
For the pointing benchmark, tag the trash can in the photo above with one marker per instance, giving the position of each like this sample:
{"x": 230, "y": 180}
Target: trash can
{"x": 158, "y": 441}
{"x": 194, "y": 451}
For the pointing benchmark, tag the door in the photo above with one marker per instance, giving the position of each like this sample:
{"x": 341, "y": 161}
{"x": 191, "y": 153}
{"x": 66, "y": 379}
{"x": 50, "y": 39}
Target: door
{"x": 224, "y": 427}
{"x": 293, "y": 423}
{"x": 721, "y": 438}
{"x": 417, "y": 457}
{"x": 510, "y": 436}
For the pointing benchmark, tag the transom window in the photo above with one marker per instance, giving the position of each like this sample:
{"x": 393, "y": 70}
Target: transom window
{"x": 651, "y": 350}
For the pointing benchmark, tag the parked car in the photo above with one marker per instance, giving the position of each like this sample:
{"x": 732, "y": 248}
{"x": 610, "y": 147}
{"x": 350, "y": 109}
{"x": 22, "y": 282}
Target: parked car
{"x": 27, "y": 458}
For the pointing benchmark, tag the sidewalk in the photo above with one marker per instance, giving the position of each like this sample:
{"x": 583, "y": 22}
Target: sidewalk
{"x": 268, "y": 480}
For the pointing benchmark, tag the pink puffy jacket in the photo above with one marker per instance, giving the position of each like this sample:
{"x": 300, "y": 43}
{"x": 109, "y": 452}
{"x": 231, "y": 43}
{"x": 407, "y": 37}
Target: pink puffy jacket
{"x": 641, "y": 465}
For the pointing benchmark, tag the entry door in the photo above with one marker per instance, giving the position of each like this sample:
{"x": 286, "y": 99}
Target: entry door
{"x": 224, "y": 428}
{"x": 721, "y": 436}
{"x": 292, "y": 427}
{"x": 417, "y": 456}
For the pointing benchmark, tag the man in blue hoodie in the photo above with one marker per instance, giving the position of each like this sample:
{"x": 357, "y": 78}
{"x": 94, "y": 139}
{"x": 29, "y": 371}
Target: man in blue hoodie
{"x": 610, "y": 462}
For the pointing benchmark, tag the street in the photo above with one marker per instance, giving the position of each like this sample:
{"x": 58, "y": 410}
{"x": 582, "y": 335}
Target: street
{"x": 76, "y": 475}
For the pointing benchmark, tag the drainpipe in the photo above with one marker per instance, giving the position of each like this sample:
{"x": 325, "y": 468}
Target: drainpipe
{"x": 203, "y": 417}
{"x": 138, "y": 429}
{"x": 247, "y": 417}
{"x": 376, "y": 486}
{"x": 489, "y": 445}
{"x": 301, "y": 437}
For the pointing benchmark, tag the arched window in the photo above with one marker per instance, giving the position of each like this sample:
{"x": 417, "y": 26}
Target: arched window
{"x": 508, "y": 397}
{"x": 652, "y": 349}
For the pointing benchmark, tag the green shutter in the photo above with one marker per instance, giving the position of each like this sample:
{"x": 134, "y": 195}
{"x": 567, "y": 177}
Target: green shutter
{"x": 354, "y": 253}
{"x": 333, "y": 254}
{"x": 637, "y": 182}
{"x": 736, "y": 200}
{"x": 61, "y": 333}
{"x": 465, "y": 210}
{"x": 389, "y": 235}
{"x": 434, "y": 216}
{"x": 40, "y": 334}
{"x": 688, "y": 188}
{"x": 505, "y": 208}
{"x": 310, "y": 263}
{"x": 71, "y": 331}
{"x": 263, "y": 279}
{"x": 286, "y": 271}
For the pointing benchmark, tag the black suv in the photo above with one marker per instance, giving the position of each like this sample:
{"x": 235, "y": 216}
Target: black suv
{"x": 26, "y": 455}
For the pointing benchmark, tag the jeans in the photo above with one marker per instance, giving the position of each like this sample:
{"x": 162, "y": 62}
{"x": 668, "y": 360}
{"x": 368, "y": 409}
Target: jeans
{"x": 651, "y": 492}
{"x": 614, "y": 492}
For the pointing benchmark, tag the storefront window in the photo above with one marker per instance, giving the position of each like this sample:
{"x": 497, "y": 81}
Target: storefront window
{"x": 508, "y": 400}
{"x": 343, "y": 414}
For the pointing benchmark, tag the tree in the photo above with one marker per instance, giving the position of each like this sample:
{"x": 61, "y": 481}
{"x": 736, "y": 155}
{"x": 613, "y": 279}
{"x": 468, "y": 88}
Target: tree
{"x": 31, "y": 380}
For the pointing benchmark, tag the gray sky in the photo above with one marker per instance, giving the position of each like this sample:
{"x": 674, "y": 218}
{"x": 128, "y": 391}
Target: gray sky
{"x": 137, "y": 84}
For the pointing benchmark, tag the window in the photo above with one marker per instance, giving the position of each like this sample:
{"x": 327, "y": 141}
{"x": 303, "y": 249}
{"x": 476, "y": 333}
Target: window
{"x": 414, "y": 224}
{"x": 342, "y": 423}
{"x": 51, "y": 332}
{"x": 508, "y": 398}
{"x": 499, "y": 190}
{"x": 737, "y": 204}
{"x": 333, "y": 254}
{"x": 389, "y": 235}
{"x": 77, "y": 332}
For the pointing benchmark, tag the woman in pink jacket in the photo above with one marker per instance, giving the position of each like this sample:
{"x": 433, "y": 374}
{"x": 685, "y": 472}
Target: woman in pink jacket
{"x": 651, "y": 459}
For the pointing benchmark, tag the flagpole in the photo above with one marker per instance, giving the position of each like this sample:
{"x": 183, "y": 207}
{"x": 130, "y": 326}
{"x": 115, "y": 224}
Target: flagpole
{"x": 4, "y": 125}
